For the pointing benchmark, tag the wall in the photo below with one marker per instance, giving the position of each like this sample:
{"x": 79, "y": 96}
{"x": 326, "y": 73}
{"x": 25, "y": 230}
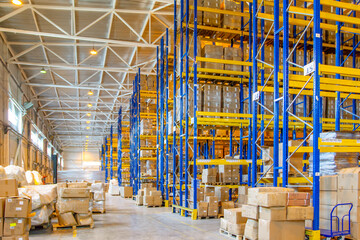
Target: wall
{"x": 77, "y": 158}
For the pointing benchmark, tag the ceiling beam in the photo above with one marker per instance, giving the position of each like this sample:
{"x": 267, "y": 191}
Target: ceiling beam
{"x": 94, "y": 88}
{"x": 79, "y": 38}
{"x": 74, "y": 67}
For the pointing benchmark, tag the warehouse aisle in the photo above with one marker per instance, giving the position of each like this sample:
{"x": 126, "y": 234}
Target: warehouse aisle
{"x": 125, "y": 220}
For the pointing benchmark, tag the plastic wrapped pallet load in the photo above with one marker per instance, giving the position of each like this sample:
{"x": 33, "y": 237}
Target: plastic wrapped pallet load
{"x": 114, "y": 189}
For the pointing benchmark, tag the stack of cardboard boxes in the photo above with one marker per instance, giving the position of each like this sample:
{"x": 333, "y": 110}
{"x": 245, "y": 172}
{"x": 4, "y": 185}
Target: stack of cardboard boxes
{"x": 98, "y": 197}
{"x": 126, "y": 192}
{"x": 233, "y": 222}
{"x": 14, "y": 212}
{"x": 209, "y": 175}
{"x": 276, "y": 213}
{"x": 73, "y": 204}
{"x": 151, "y": 197}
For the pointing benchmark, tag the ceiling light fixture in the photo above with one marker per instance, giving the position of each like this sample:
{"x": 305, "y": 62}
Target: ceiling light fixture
{"x": 87, "y": 123}
{"x": 43, "y": 71}
{"x": 87, "y": 136}
{"x": 16, "y": 2}
{"x": 89, "y": 114}
{"x": 90, "y": 93}
{"x": 93, "y": 52}
{"x": 89, "y": 105}
{"x": 87, "y": 127}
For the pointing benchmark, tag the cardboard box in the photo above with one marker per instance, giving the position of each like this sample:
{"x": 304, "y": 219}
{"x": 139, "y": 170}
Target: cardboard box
{"x": 274, "y": 213}
{"x": 17, "y": 207}
{"x": 148, "y": 190}
{"x": 16, "y": 226}
{"x": 202, "y": 209}
{"x": 298, "y": 199}
{"x": 74, "y": 192}
{"x": 19, "y": 237}
{"x": 61, "y": 185}
{"x": 349, "y": 179}
{"x": 355, "y": 230}
{"x": 253, "y": 193}
{"x": 344, "y": 210}
{"x": 141, "y": 192}
{"x": 242, "y": 199}
{"x": 251, "y": 229}
{"x": 84, "y": 219}
{"x": 325, "y": 211}
{"x": 157, "y": 200}
{"x": 328, "y": 198}
{"x": 126, "y": 192}
{"x": 304, "y": 202}
{"x": 99, "y": 196}
{"x": 226, "y": 205}
{"x": 325, "y": 224}
{"x": 234, "y": 215}
{"x": 223, "y": 224}
{"x": 250, "y": 211}
{"x": 349, "y": 196}
{"x": 213, "y": 210}
{"x": 222, "y": 193}
{"x": 329, "y": 183}
{"x": 8, "y": 188}
{"x": 2, "y": 207}
{"x": 243, "y": 190}
{"x": 77, "y": 185}
{"x": 66, "y": 219}
{"x": 275, "y": 199}
{"x": 237, "y": 229}
{"x": 300, "y": 213}
{"x": 155, "y": 193}
{"x": 149, "y": 200}
{"x": 281, "y": 230}
{"x": 76, "y": 205}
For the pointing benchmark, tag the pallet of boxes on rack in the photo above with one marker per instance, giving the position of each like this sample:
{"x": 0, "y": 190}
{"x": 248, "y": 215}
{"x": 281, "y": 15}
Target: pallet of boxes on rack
{"x": 73, "y": 206}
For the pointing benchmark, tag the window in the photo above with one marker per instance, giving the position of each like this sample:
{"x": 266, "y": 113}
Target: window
{"x": 49, "y": 150}
{"x": 37, "y": 139}
{"x": 15, "y": 115}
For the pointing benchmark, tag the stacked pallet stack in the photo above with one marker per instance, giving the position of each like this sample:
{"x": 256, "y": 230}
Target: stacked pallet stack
{"x": 98, "y": 197}
{"x": 73, "y": 205}
{"x": 233, "y": 223}
{"x": 276, "y": 213}
{"x": 126, "y": 192}
{"x": 225, "y": 174}
{"x": 149, "y": 197}
{"x": 114, "y": 188}
{"x": 14, "y": 212}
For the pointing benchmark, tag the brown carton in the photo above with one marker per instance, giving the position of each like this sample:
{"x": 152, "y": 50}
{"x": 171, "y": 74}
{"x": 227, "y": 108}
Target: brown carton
{"x": 236, "y": 229}
{"x": 250, "y": 211}
{"x": 300, "y": 213}
{"x": 274, "y": 213}
{"x": 66, "y": 219}
{"x": 141, "y": 192}
{"x": 157, "y": 200}
{"x": 349, "y": 196}
{"x": 253, "y": 193}
{"x": 226, "y": 205}
{"x": 126, "y": 192}
{"x": 329, "y": 183}
{"x": 349, "y": 179}
{"x": 202, "y": 209}
{"x": 328, "y": 198}
{"x": 17, "y": 207}
{"x": 77, "y": 185}
{"x": 272, "y": 199}
{"x": 8, "y": 188}
{"x": 76, "y": 205}
{"x": 15, "y": 226}
{"x": 213, "y": 210}
{"x": 139, "y": 200}
{"x": 84, "y": 219}
{"x": 251, "y": 229}
{"x": 74, "y": 193}
{"x": 155, "y": 193}
{"x": 149, "y": 200}
{"x": 222, "y": 193}
{"x": 344, "y": 210}
{"x": 19, "y": 237}
{"x": 234, "y": 215}
{"x": 325, "y": 211}
{"x": 281, "y": 230}
{"x": 2, "y": 207}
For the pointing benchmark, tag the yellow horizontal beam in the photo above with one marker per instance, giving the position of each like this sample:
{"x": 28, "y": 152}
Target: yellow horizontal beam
{"x": 343, "y": 71}
{"x": 221, "y": 11}
{"x": 148, "y": 159}
{"x": 148, "y": 148}
{"x": 224, "y": 162}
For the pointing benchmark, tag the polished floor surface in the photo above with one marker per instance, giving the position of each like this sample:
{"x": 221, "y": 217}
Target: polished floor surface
{"x": 125, "y": 220}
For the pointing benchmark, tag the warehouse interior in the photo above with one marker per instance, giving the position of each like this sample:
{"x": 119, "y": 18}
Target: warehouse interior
{"x": 195, "y": 119}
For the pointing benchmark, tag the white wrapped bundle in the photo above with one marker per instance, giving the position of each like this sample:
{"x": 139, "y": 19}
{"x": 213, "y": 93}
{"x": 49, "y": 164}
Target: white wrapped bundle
{"x": 37, "y": 178}
{"x": 40, "y": 194}
{"x": 42, "y": 215}
{"x": 29, "y": 177}
{"x": 16, "y": 172}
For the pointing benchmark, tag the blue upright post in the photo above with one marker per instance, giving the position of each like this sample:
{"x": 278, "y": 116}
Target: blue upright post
{"x": 316, "y": 114}
{"x": 195, "y": 106}
{"x": 285, "y": 129}
{"x": 276, "y": 92}
{"x": 106, "y": 161}
{"x": 102, "y": 158}
{"x": 174, "y": 106}
{"x": 138, "y": 139}
{"x": 157, "y": 118}
{"x": 337, "y": 76}
{"x": 161, "y": 105}
{"x": 111, "y": 153}
{"x": 119, "y": 147}
{"x": 254, "y": 102}
{"x": 167, "y": 117}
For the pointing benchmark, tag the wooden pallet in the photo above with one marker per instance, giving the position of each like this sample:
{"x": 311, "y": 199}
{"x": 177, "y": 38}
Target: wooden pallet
{"x": 56, "y": 226}
{"x": 230, "y": 235}
{"x": 98, "y": 211}
{"x": 208, "y": 217}
{"x": 152, "y": 206}
{"x": 220, "y": 215}
{"x": 42, "y": 226}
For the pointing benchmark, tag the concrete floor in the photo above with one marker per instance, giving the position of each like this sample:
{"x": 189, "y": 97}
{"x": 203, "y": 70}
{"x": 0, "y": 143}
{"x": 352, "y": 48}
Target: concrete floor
{"x": 125, "y": 220}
